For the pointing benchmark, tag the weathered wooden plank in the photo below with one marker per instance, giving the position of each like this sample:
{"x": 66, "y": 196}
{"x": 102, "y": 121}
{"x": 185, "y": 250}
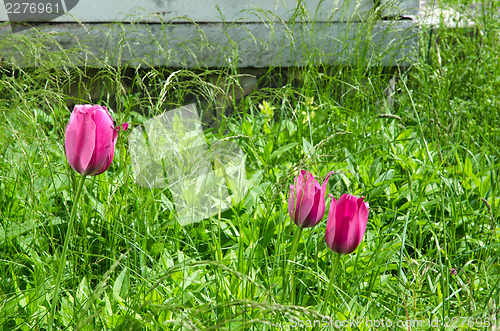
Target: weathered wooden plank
{"x": 399, "y": 8}
{"x": 216, "y": 44}
{"x": 213, "y": 11}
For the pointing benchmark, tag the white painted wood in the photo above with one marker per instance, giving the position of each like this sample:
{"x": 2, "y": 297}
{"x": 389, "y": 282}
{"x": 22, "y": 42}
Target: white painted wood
{"x": 399, "y": 8}
{"x": 215, "y": 45}
{"x": 214, "y": 33}
{"x": 214, "y": 10}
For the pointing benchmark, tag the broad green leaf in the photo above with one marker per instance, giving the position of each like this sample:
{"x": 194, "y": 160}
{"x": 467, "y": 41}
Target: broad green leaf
{"x": 306, "y": 145}
{"x": 277, "y": 153}
{"x": 11, "y": 230}
{"x": 376, "y": 168}
{"x": 269, "y": 148}
{"x": 247, "y": 128}
{"x": 122, "y": 284}
{"x": 468, "y": 167}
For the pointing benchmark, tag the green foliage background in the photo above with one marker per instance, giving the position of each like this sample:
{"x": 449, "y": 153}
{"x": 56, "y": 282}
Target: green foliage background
{"x": 426, "y": 158}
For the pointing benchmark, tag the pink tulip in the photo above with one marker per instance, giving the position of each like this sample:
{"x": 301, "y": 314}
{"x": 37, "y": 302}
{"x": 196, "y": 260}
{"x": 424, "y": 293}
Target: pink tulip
{"x": 306, "y": 203}
{"x": 346, "y": 223}
{"x": 91, "y": 139}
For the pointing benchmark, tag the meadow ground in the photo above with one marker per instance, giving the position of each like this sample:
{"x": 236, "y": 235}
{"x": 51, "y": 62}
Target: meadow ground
{"x": 426, "y": 159}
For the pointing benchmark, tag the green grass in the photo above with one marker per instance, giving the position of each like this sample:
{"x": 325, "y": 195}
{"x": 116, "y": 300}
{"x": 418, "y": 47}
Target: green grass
{"x": 427, "y": 163}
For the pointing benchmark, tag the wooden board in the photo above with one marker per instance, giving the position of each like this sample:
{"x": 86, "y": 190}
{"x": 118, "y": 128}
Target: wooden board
{"x": 213, "y": 33}
{"x": 216, "y": 44}
{"x": 213, "y": 10}
{"x": 399, "y": 8}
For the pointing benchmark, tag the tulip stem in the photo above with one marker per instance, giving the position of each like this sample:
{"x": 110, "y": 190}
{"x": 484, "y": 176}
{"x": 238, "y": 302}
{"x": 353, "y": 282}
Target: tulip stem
{"x": 293, "y": 253}
{"x": 62, "y": 260}
{"x": 330, "y": 283}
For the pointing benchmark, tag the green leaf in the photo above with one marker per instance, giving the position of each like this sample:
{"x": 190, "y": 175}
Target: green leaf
{"x": 268, "y": 233}
{"x": 306, "y": 146}
{"x": 15, "y": 229}
{"x": 468, "y": 167}
{"x": 376, "y": 168}
{"x": 406, "y": 134}
{"x": 460, "y": 167}
{"x": 363, "y": 173}
{"x": 266, "y": 109}
{"x": 277, "y": 153}
{"x": 269, "y": 148}
{"x": 385, "y": 177}
{"x": 121, "y": 285}
{"x": 247, "y": 128}
{"x": 83, "y": 290}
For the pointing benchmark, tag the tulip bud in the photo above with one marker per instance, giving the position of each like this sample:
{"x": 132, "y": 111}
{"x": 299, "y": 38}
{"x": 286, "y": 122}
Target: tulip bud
{"x": 346, "y": 223}
{"x": 90, "y": 139}
{"x": 306, "y": 203}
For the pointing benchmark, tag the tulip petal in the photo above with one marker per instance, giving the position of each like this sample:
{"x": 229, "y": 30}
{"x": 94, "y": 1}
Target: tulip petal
{"x": 90, "y": 139}
{"x": 295, "y": 197}
{"x": 105, "y": 141}
{"x": 311, "y": 219}
{"x": 347, "y": 206}
{"x": 307, "y": 197}
{"x": 347, "y": 232}
{"x": 330, "y": 223}
{"x": 317, "y": 213}
{"x": 360, "y": 221}
{"x": 346, "y": 224}
{"x": 306, "y": 201}
{"x": 80, "y": 140}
